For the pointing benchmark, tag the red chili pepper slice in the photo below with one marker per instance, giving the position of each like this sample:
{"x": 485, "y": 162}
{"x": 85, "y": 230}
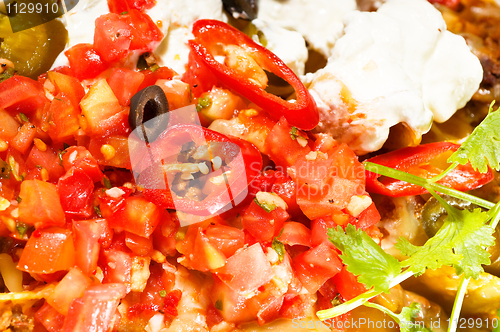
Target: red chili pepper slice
{"x": 422, "y": 160}
{"x": 211, "y": 34}
{"x": 241, "y": 163}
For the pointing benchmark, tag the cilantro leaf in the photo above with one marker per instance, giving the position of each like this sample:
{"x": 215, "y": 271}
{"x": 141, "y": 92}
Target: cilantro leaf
{"x": 459, "y": 242}
{"x": 481, "y": 148}
{"x": 364, "y": 258}
{"x": 265, "y": 205}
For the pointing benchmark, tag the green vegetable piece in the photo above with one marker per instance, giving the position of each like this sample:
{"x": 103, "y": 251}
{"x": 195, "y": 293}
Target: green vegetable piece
{"x": 459, "y": 242}
{"x": 4, "y": 169}
{"x": 106, "y": 182}
{"x": 24, "y": 117}
{"x": 218, "y": 305}
{"x": 22, "y": 228}
{"x": 405, "y": 319}
{"x": 266, "y": 206}
{"x": 481, "y": 148}
{"x": 364, "y": 258}
{"x": 8, "y": 73}
{"x": 162, "y": 293}
{"x": 203, "y": 102}
{"x": 98, "y": 211}
{"x": 496, "y": 325}
{"x": 279, "y": 247}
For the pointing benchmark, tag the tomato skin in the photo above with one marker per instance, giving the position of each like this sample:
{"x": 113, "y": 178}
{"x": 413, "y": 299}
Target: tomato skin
{"x": 40, "y": 205}
{"x": 264, "y": 226}
{"x": 103, "y": 299}
{"x": 21, "y": 94}
{"x": 47, "y": 251}
{"x": 22, "y": 141}
{"x": 76, "y": 190}
{"x": 164, "y": 235}
{"x": 85, "y": 62}
{"x": 315, "y": 266}
{"x": 286, "y": 188}
{"x": 452, "y": 4}
{"x": 125, "y": 83}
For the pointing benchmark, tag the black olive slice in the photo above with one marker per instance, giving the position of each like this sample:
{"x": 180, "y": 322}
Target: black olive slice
{"x": 148, "y": 109}
{"x": 244, "y": 9}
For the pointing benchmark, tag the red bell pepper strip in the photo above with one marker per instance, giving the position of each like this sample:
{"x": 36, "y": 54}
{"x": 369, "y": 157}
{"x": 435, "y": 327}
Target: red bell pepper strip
{"x": 242, "y": 159}
{"x": 209, "y": 34}
{"x": 418, "y": 161}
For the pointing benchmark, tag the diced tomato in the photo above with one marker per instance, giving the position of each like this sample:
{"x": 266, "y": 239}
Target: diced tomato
{"x": 164, "y": 235}
{"x": 21, "y": 94}
{"x": 325, "y": 186}
{"x": 139, "y": 216}
{"x": 138, "y": 245}
{"x": 295, "y": 307}
{"x": 177, "y": 92}
{"x": 315, "y": 266}
{"x": 69, "y": 85}
{"x": 116, "y": 266}
{"x": 121, "y": 158}
{"x": 232, "y": 306}
{"x": 76, "y": 190}
{"x": 70, "y": 287}
{"x": 369, "y": 217}
{"x": 47, "y": 159}
{"x": 100, "y": 108}
{"x": 63, "y": 116}
{"x": 24, "y": 138}
{"x": 51, "y": 320}
{"x": 198, "y": 76}
{"x": 150, "y": 77}
{"x": 118, "y": 6}
{"x": 227, "y": 239}
{"x": 87, "y": 234}
{"x": 247, "y": 270}
{"x": 295, "y": 233}
{"x": 81, "y": 158}
{"x": 125, "y": 83}
{"x": 348, "y": 285}
{"x": 47, "y": 251}
{"x": 319, "y": 229}
{"x": 115, "y": 35}
{"x": 286, "y": 188}
{"x": 40, "y": 205}
{"x": 283, "y": 143}
{"x": 96, "y": 310}
{"x": 85, "y": 62}
{"x": 9, "y": 127}
{"x": 264, "y": 226}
